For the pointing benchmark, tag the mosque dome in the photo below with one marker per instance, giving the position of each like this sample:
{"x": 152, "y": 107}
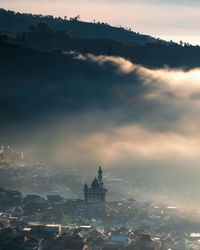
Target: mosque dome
{"x": 95, "y": 183}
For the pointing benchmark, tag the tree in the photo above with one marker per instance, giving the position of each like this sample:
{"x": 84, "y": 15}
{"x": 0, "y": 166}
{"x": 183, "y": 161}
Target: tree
{"x": 82, "y": 221}
{"x": 65, "y": 220}
{"x": 32, "y": 29}
{"x": 78, "y": 17}
{"x": 59, "y": 215}
{"x": 21, "y": 37}
{"x": 43, "y": 28}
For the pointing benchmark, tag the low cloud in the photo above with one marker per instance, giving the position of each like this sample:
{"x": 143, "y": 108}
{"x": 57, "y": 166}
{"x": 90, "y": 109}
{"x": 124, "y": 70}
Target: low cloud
{"x": 178, "y": 82}
{"x": 109, "y": 111}
{"x": 151, "y": 122}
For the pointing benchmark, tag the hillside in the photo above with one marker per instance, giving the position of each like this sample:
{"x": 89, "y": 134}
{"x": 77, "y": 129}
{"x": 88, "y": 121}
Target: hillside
{"x": 152, "y": 55}
{"x": 46, "y": 33}
{"x": 50, "y": 83}
{"x": 12, "y": 22}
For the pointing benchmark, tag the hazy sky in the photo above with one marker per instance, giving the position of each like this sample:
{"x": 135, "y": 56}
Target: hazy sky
{"x": 169, "y": 19}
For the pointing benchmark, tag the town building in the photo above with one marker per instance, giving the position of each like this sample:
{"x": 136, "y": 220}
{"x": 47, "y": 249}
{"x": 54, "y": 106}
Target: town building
{"x": 95, "y": 193}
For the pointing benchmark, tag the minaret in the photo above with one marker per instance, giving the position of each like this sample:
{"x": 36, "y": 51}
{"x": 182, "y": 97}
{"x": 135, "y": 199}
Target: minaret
{"x": 100, "y": 176}
{"x": 86, "y": 193}
{"x": 95, "y": 193}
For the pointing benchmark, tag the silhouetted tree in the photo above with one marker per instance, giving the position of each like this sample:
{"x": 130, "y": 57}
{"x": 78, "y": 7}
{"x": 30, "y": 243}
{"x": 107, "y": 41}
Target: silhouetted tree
{"x": 21, "y": 37}
{"x": 78, "y": 17}
{"x": 43, "y": 28}
{"x": 181, "y": 43}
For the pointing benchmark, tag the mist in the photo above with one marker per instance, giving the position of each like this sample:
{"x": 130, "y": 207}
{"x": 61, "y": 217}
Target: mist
{"x": 150, "y": 124}
{"x": 89, "y": 110}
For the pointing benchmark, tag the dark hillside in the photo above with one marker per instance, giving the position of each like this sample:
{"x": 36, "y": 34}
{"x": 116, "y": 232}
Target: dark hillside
{"x": 34, "y": 84}
{"x": 46, "y": 33}
{"x": 152, "y": 55}
{"x": 12, "y": 22}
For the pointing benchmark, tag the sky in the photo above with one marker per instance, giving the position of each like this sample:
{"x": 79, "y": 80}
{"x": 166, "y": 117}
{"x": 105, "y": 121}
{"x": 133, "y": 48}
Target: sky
{"x": 167, "y": 19}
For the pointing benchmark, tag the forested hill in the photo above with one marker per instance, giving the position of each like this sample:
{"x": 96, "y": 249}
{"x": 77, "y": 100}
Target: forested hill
{"x": 12, "y": 22}
{"x": 35, "y": 84}
{"x": 45, "y": 33}
{"x": 152, "y": 55}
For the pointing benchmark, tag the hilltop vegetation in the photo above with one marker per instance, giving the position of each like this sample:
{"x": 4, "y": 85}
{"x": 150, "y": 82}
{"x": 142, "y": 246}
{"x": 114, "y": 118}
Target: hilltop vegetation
{"x": 11, "y": 22}
{"x": 45, "y": 33}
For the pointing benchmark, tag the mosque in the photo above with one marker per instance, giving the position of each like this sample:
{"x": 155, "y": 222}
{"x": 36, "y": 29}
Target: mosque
{"x": 95, "y": 193}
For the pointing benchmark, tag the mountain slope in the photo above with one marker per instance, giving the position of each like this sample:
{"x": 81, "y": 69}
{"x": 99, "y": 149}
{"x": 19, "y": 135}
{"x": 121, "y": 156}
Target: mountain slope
{"x": 38, "y": 83}
{"x": 152, "y": 55}
{"x": 12, "y": 22}
{"x": 48, "y": 34}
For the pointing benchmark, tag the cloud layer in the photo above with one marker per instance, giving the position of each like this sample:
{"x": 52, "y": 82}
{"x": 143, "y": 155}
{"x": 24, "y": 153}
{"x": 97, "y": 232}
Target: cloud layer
{"x": 153, "y": 122}
{"x": 81, "y": 110}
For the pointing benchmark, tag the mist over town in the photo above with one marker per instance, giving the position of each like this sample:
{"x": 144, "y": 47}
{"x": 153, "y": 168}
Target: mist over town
{"x": 99, "y": 130}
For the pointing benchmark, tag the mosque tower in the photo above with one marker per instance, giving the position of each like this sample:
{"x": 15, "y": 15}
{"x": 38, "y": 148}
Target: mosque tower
{"x": 95, "y": 193}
